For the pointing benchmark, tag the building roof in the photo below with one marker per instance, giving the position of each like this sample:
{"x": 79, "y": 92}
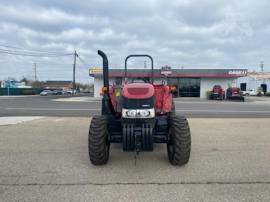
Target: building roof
{"x": 184, "y": 73}
{"x": 259, "y": 75}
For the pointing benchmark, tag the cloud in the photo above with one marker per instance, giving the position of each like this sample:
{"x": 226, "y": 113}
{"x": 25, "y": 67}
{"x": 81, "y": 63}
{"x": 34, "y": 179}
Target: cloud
{"x": 223, "y": 33}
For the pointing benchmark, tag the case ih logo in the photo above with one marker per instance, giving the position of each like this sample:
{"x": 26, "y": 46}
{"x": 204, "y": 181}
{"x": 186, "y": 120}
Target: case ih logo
{"x": 166, "y": 70}
{"x": 238, "y": 72}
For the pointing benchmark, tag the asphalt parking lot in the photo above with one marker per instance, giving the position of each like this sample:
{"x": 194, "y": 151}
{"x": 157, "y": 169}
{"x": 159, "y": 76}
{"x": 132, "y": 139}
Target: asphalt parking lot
{"x": 47, "y": 160}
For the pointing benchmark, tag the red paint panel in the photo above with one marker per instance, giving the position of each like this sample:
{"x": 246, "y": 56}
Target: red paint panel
{"x": 163, "y": 99}
{"x": 138, "y": 90}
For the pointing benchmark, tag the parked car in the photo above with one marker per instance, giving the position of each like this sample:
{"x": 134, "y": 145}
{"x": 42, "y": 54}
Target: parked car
{"x": 250, "y": 92}
{"x": 69, "y": 92}
{"x": 234, "y": 93}
{"x": 46, "y": 92}
{"x": 58, "y": 92}
{"x": 217, "y": 93}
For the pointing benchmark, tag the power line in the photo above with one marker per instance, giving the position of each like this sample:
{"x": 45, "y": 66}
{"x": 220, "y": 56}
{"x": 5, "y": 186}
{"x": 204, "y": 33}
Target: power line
{"x": 45, "y": 65}
{"x": 31, "y": 54}
{"x": 12, "y": 50}
{"x": 27, "y": 50}
{"x": 84, "y": 63}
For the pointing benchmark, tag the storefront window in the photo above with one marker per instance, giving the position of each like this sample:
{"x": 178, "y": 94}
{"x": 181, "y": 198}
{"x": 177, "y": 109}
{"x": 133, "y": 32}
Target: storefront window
{"x": 118, "y": 81}
{"x": 189, "y": 87}
{"x": 186, "y": 87}
{"x": 173, "y": 82}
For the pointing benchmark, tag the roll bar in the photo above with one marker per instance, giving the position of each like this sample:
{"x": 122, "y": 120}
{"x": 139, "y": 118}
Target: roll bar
{"x": 141, "y": 55}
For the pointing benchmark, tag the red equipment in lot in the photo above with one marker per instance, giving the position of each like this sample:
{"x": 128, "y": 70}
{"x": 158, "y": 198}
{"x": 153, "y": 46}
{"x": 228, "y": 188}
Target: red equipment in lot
{"x": 217, "y": 93}
{"x": 138, "y": 115}
{"x": 234, "y": 93}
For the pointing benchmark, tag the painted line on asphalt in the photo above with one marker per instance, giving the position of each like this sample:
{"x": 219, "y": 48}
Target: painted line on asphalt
{"x": 224, "y": 103}
{"x": 220, "y": 111}
{"x": 179, "y": 110}
{"x": 52, "y": 109}
{"x": 17, "y": 96}
{"x": 5, "y": 121}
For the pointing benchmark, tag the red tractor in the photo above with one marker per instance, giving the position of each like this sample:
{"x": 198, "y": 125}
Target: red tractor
{"x": 217, "y": 93}
{"x": 141, "y": 115}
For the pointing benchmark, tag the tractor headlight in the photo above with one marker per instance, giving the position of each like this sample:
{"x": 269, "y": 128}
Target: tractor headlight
{"x": 130, "y": 113}
{"x": 138, "y": 113}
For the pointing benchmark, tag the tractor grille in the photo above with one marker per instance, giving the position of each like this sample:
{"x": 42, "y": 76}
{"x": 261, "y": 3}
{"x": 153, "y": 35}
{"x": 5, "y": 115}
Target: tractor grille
{"x": 138, "y": 103}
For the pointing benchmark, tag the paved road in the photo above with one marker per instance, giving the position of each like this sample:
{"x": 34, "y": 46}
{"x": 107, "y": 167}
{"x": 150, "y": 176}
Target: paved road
{"x": 45, "y": 106}
{"x": 47, "y": 160}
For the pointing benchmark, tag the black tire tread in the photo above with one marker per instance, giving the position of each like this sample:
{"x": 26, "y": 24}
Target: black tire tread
{"x": 180, "y": 140}
{"x": 98, "y": 144}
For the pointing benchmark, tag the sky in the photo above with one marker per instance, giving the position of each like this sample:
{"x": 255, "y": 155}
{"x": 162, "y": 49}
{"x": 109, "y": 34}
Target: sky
{"x": 178, "y": 33}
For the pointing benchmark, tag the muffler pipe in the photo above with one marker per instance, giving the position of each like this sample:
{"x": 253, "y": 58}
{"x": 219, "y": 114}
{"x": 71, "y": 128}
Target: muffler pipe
{"x": 105, "y": 70}
{"x": 107, "y": 107}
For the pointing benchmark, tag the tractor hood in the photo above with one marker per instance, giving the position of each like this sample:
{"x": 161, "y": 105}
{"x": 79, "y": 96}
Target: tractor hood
{"x": 138, "y": 90}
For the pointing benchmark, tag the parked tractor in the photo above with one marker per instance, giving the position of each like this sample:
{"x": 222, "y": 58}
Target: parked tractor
{"x": 234, "y": 93}
{"x": 217, "y": 93}
{"x": 138, "y": 117}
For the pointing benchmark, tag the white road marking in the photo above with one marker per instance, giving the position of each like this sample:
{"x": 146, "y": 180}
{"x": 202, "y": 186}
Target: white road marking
{"x": 179, "y": 110}
{"x": 51, "y": 109}
{"x": 78, "y": 99}
{"x": 17, "y": 96}
{"x": 224, "y": 102}
{"x": 59, "y": 120}
{"x": 12, "y": 120}
{"x": 220, "y": 111}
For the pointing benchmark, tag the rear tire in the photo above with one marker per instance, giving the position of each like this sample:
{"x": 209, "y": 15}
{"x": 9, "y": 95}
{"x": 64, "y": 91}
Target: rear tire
{"x": 173, "y": 112}
{"x": 179, "y": 145}
{"x": 98, "y": 143}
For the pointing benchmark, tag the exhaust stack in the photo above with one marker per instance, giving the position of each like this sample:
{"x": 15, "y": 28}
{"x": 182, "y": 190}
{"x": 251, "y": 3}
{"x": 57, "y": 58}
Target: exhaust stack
{"x": 105, "y": 69}
{"x": 107, "y": 107}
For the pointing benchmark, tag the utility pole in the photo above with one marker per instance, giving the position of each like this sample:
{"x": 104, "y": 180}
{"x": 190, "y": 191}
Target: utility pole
{"x": 261, "y": 66}
{"x": 35, "y": 70}
{"x": 74, "y": 70}
{"x": 144, "y": 64}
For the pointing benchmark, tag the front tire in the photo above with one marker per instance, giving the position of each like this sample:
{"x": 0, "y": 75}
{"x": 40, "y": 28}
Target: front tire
{"x": 98, "y": 143}
{"x": 179, "y": 145}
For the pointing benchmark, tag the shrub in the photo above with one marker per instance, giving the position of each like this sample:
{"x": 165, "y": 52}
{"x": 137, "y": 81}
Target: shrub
{"x": 208, "y": 94}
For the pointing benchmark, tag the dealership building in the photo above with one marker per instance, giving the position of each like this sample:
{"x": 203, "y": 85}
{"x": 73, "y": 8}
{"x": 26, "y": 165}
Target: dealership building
{"x": 254, "y": 81}
{"x": 188, "y": 82}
